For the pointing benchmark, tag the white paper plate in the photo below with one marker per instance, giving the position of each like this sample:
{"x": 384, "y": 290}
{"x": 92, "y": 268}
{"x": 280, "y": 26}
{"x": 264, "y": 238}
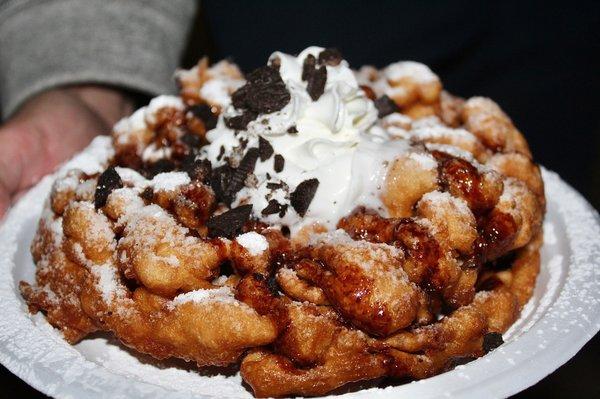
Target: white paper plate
{"x": 562, "y": 316}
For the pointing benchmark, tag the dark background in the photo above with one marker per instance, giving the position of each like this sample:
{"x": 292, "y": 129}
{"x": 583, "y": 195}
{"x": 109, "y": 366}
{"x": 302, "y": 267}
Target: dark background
{"x": 539, "y": 60}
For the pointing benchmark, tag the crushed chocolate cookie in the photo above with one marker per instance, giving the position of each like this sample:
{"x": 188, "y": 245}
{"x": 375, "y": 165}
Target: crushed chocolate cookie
{"x": 226, "y": 181}
{"x": 278, "y": 163}
{"x": 308, "y": 66}
{"x": 221, "y": 153}
{"x": 108, "y": 181}
{"x": 491, "y": 341}
{"x": 219, "y": 182}
{"x": 197, "y": 169}
{"x": 303, "y": 195}
{"x": 316, "y": 77}
{"x": 243, "y": 143}
{"x": 274, "y": 207}
{"x": 240, "y": 122}
{"x": 330, "y": 56}
{"x": 292, "y": 130}
{"x": 385, "y": 106}
{"x": 204, "y": 113}
{"x": 263, "y": 93}
{"x": 248, "y": 162}
{"x": 265, "y": 149}
{"x": 316, "y": 83}
{"x": 229, "y": 223}
{"x": 283, "y": 210}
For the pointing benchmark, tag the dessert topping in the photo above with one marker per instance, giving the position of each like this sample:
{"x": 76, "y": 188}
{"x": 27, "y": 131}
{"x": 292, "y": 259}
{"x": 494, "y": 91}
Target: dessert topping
{"x": 330, "y": 56}
{"x": 385, "y": 106}
{"x": 303, "y": 195}
{"x": 230, "y": 223}
{"x": 108, "y": 181}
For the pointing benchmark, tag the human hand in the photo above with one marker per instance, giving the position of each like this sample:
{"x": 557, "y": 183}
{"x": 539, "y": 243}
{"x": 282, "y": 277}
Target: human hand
{"x": 50, "y": 128}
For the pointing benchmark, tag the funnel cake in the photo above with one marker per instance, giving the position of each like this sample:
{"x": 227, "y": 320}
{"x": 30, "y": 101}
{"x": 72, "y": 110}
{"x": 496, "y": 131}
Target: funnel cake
{"x": 312, "y": 224}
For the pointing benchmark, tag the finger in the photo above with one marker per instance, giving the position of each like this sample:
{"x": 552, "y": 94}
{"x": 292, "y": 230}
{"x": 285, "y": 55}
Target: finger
{"x": 4, "y": 202}
{"x": 13, "y": 146}
{"x": 51, "y": 129}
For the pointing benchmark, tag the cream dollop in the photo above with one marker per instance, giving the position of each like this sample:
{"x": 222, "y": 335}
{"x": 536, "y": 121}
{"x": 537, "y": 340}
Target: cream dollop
{"x": 333, "y": 143}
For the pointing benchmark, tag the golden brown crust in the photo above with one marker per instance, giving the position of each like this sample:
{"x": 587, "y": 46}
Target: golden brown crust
{"x": 408, "y": 295}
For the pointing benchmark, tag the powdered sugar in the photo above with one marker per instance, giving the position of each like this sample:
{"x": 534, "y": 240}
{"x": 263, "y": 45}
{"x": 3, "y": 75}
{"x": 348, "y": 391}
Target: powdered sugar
{"x": 425, "y": 160}
{"x": 97, "y": 367}
{"x": 153, "y": 153}
{"x": 444, "y": 197}
{"x": 416, "y": 71}
{"x": 159, "y": 102}
{"x": 169, "y": 181}
{"x": 93, "y": 160}
{"x": 107, "y": 282}
{"x": 222, "y": 294}
{"x": 254, "y": 243}
{"x": 127, "y": 126}
{"x": 130, "y": 177}
{"x": 339, "y": 238}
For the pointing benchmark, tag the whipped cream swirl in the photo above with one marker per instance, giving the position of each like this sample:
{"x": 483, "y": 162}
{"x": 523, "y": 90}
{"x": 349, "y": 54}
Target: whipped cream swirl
{"x": 328, "y": 139}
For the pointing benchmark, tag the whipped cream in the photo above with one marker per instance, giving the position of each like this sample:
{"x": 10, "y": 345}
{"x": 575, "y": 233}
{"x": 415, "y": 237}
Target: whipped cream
{"x": 329, "y": 139}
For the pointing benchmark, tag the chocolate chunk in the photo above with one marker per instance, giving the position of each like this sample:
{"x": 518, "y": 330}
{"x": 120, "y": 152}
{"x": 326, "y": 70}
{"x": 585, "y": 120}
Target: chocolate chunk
{"x": 240, "y": 122}
{"x": 303, "y": 195}
{"x": 330, "y": 56}
{"x": 272, "y": 207}
{"x": 264, "y": 92}
{"x": 226, "y": 181}
{"x": 491, "y": 341}
{"x": 197, "y": 169}
{"x": 108, "y": 181}
{"x": 265, "y": 149}
{"x": 274, "y": 186}
{"x": 292, "y": 130}
{"x": 221, "y": 153}
{"x": 316, "y": 77}
{"x": 278, "y": 163}
{"x": 204, "y": 112}
{"x": 160, "y": 166}
{"x": 316, "y": 83}
{"x": 230, "y": 223}
{"x": 275, "y": 207}
{"x": 247, "y": 164}
{"x": 219, "y": 181}
{"x": 308, "y": 66}
{"x": 385, "y": 106}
